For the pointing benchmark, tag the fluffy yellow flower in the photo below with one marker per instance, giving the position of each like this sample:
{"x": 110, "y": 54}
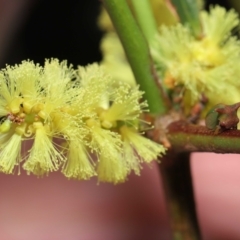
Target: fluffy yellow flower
{"x": 43, "y": 157}
{"x": 145, "y": 148}
{"x": 80, "y": 164}
{"x": 10, "y": 153}
{"x": 114, "y": 108}
{"x": 206, "y": 66}
{"x": 83, "y": 110}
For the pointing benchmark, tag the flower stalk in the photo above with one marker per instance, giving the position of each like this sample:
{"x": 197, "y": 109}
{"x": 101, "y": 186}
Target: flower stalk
{"x": 185, "y": 137}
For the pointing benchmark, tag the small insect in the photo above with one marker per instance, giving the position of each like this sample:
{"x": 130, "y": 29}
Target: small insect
{"x": 222, "y": 117}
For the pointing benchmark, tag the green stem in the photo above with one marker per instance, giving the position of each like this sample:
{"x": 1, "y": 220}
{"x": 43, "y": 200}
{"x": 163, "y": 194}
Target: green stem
{"x": 189, "y": 14}
{"x": 145, "y": 18}
{"x": 185, "y": 137}
{"x": 137, "y": 51}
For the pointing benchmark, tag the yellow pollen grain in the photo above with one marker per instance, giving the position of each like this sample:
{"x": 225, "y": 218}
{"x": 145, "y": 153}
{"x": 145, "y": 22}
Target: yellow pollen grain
{"x": 37, "y": 125}
{"x": 102, "y": 115}
{"x": 27, "y": 107}
{"x": 38, "y": 107}
{"x": 100, "y": 111}
{"x": 42, "y": 114}
{"x": 92, "y": 123}
{"x": 14, "y": 106}
{"x": 107, "y": 124}
{"x": 22, "y": 115}
{"x": 36, "y": 118}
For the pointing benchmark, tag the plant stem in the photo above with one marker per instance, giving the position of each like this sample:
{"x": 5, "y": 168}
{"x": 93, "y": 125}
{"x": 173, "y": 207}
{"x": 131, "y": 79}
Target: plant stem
{"x": 177, "y": 181}
{"x": 145, "y": 18}
{"x": 185, "y": 137}
{"x": 189, "y": 14}
{"x": 137, "y": 51}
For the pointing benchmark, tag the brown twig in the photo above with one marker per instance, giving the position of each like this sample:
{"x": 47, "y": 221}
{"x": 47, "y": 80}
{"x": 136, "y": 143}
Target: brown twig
{"x": 185, "y": 137}
{"x": 177, "y": 182}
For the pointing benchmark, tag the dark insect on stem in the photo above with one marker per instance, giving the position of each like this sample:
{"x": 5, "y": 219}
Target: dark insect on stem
{"x": 222, "y": 117}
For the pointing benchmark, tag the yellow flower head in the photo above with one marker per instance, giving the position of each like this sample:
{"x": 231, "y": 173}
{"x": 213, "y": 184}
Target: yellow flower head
{"x": 84, "y": 110}
{"x": 206, "y": 66}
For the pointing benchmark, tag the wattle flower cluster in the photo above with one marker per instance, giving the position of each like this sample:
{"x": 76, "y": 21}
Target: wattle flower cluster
{"x": 207, "y": 66}
{"x": 80, "y": 122}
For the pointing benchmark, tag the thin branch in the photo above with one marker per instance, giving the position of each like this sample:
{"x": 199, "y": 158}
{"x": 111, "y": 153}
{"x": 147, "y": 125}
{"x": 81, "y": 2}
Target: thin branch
{"x": 185, "y": 137}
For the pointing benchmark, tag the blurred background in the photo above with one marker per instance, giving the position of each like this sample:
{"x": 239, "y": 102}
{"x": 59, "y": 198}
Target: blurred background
{"x": 56, "y": 208}
{"x": 39, "y": 29}
{"x": 65, "y": 29}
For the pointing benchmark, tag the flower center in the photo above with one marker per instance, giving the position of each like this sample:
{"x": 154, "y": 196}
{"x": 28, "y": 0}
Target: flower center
{"x": 23, "y": 116}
